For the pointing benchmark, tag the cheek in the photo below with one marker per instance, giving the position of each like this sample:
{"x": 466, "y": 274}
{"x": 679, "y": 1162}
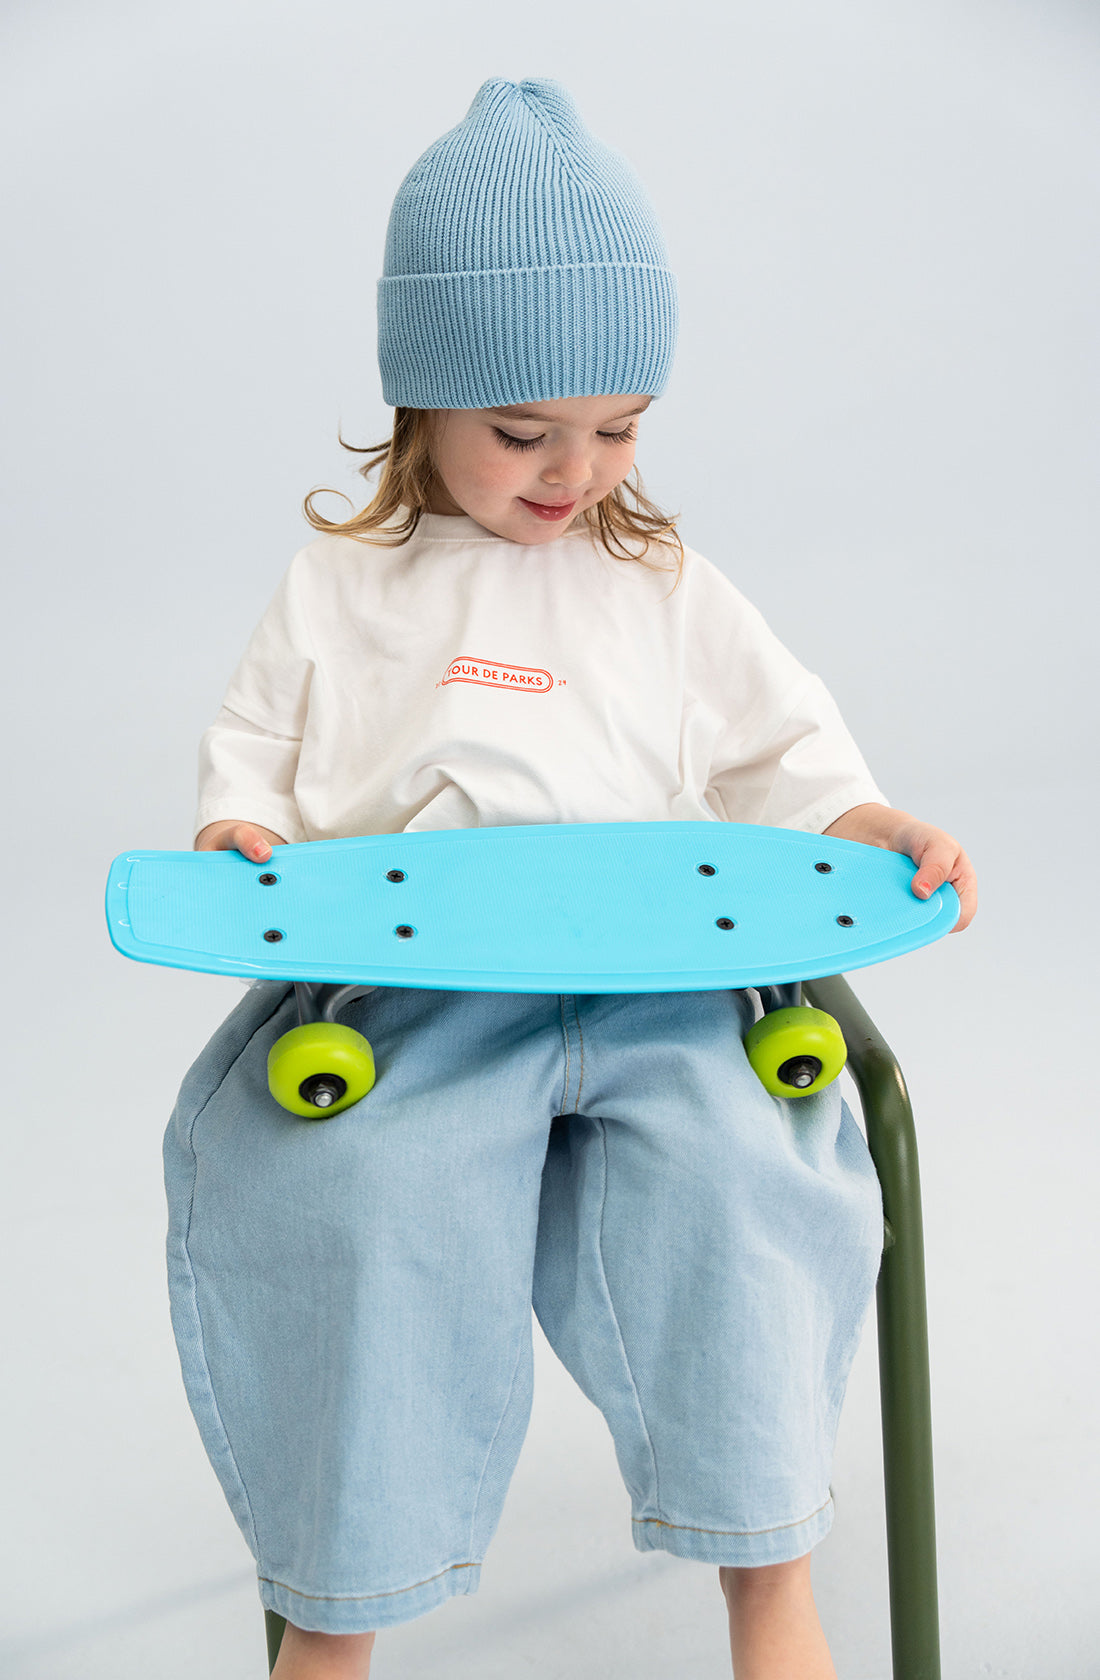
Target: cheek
{"x": 499, "y": 470}
{"x": 465, "y": 464}
{"x": 480, "y": 466}
{"x": 619, "y": 466}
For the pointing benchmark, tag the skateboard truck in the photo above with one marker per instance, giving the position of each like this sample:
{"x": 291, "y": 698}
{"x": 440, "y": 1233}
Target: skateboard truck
{"x": 320, "y": 1067}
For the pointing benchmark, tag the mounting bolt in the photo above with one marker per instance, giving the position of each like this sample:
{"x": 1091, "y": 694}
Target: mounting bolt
{"x": 725, "y": 923}
{"x": 707, "y": 869}
{"x": 395, "y": 874}
{"x": 323, "y": 1089}
{"x": 800, "y": 1072}
{"x": 273, "y": 936}
{"x": 824, "y": 868}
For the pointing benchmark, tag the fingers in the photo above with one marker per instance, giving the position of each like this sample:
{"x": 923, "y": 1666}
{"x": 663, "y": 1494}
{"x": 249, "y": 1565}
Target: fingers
{"x": 965, "y": 883}
{"x": 942, "y": 859}
{"x": 935, "y": 862}
{"x": 252, "y": 841}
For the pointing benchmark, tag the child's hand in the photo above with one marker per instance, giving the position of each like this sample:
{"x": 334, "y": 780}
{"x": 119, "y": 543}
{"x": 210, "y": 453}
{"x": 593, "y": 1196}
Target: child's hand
{"x": 252, "y": 841}
{"x": 938, "y": 857}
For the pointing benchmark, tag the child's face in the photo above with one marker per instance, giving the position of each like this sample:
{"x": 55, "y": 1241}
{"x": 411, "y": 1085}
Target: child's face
{"x": 506, "y": 467}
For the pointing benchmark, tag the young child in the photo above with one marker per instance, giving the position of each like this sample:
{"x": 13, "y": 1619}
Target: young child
{"x": 508, "y": 634}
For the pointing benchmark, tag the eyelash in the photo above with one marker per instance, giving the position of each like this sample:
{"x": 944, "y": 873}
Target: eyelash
{"x": 511, "y": 442}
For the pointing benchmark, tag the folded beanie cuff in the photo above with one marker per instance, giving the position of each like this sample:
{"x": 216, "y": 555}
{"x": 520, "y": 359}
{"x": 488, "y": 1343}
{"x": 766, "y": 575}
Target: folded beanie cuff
{"x": 500, "y": 336}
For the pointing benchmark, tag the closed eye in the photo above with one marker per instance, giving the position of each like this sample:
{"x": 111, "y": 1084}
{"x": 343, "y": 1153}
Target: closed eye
{"x": 626, "y": 436}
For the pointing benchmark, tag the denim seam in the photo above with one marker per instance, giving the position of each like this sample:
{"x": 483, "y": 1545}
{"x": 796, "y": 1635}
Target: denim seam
{"x": 565, "y": 1107}
{"x": 211, "y": 1094}
{"x": 565, "y": 1046}
{"x": 776, "y": 1528}
{"x": 361, "y": 1598}
{"x": 614, "y": 1319}
{"x": 492, "y": 1444}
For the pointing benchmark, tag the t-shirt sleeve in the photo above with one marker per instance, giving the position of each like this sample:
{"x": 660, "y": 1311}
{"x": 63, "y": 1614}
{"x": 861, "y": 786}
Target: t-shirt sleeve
{"x": 248, "y": 758}
{"x": 781, "y": 752}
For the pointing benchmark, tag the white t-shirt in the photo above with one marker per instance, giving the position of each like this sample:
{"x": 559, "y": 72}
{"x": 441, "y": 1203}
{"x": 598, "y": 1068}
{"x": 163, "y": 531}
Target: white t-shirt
{"x": 462, "y": 680}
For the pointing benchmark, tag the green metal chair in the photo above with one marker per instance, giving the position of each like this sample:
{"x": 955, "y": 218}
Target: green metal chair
{"x": 902, "y": 1343}
{"x": 902, "y": 1336}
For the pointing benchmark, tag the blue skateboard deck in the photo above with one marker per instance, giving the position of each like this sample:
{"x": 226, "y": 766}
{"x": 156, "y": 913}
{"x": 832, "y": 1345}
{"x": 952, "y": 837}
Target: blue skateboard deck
{"x": 594, "y": 907}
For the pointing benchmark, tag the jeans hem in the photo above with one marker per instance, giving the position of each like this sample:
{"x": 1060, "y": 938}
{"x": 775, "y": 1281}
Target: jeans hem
{"x": 366, "y": 1612}
{"x": 740, "y": 1549}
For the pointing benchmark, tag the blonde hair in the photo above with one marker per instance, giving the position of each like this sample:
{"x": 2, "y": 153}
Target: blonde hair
{"x": 408, "y": 479}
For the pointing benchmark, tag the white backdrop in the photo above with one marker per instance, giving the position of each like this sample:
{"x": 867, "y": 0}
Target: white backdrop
{"x": 882, "y": 425}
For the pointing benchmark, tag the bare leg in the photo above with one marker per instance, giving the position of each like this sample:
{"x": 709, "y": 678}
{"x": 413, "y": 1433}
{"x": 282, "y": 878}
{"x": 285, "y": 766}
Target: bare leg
{"x": 323, "y": 1656}
{"x": 775, "y": 1633}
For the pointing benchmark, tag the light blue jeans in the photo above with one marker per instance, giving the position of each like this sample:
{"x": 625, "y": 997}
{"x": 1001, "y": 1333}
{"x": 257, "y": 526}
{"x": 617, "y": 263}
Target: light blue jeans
{"x": 352, "y": 1298}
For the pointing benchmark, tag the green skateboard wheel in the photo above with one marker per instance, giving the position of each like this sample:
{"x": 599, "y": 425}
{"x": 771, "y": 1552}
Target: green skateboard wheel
{"x": 795, "y": 1052}
{"x": 316, "y": 1070}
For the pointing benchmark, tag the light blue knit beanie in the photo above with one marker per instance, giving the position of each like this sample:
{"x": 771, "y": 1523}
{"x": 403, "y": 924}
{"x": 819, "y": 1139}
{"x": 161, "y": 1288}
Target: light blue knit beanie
{"x": 523, "y": 262}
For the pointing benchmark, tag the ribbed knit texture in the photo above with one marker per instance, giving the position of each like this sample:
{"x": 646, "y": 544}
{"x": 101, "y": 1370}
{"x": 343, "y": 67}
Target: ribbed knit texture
{"x": 523, "y": 262}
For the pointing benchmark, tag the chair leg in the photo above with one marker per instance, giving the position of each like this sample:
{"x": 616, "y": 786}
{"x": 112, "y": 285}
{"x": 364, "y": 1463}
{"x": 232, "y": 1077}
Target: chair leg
{"x": 903, "y": 1339}
{"x": 275, "y": 1627}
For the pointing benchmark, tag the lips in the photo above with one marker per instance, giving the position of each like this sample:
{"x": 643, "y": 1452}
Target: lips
{"x": 550, "y": 511}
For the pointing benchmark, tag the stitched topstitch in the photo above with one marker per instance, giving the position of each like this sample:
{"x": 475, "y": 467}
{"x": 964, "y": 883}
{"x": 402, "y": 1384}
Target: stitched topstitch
{"x": 580, "y": 1046}
{"x": 566, "y": 1107}
{"x": 687, "y": 1528}
{"x": 358, "y": 1598}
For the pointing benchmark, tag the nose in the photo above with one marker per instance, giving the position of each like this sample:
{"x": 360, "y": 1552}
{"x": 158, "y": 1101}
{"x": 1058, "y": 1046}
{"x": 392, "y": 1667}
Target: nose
{"x": 570, "y": 466}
